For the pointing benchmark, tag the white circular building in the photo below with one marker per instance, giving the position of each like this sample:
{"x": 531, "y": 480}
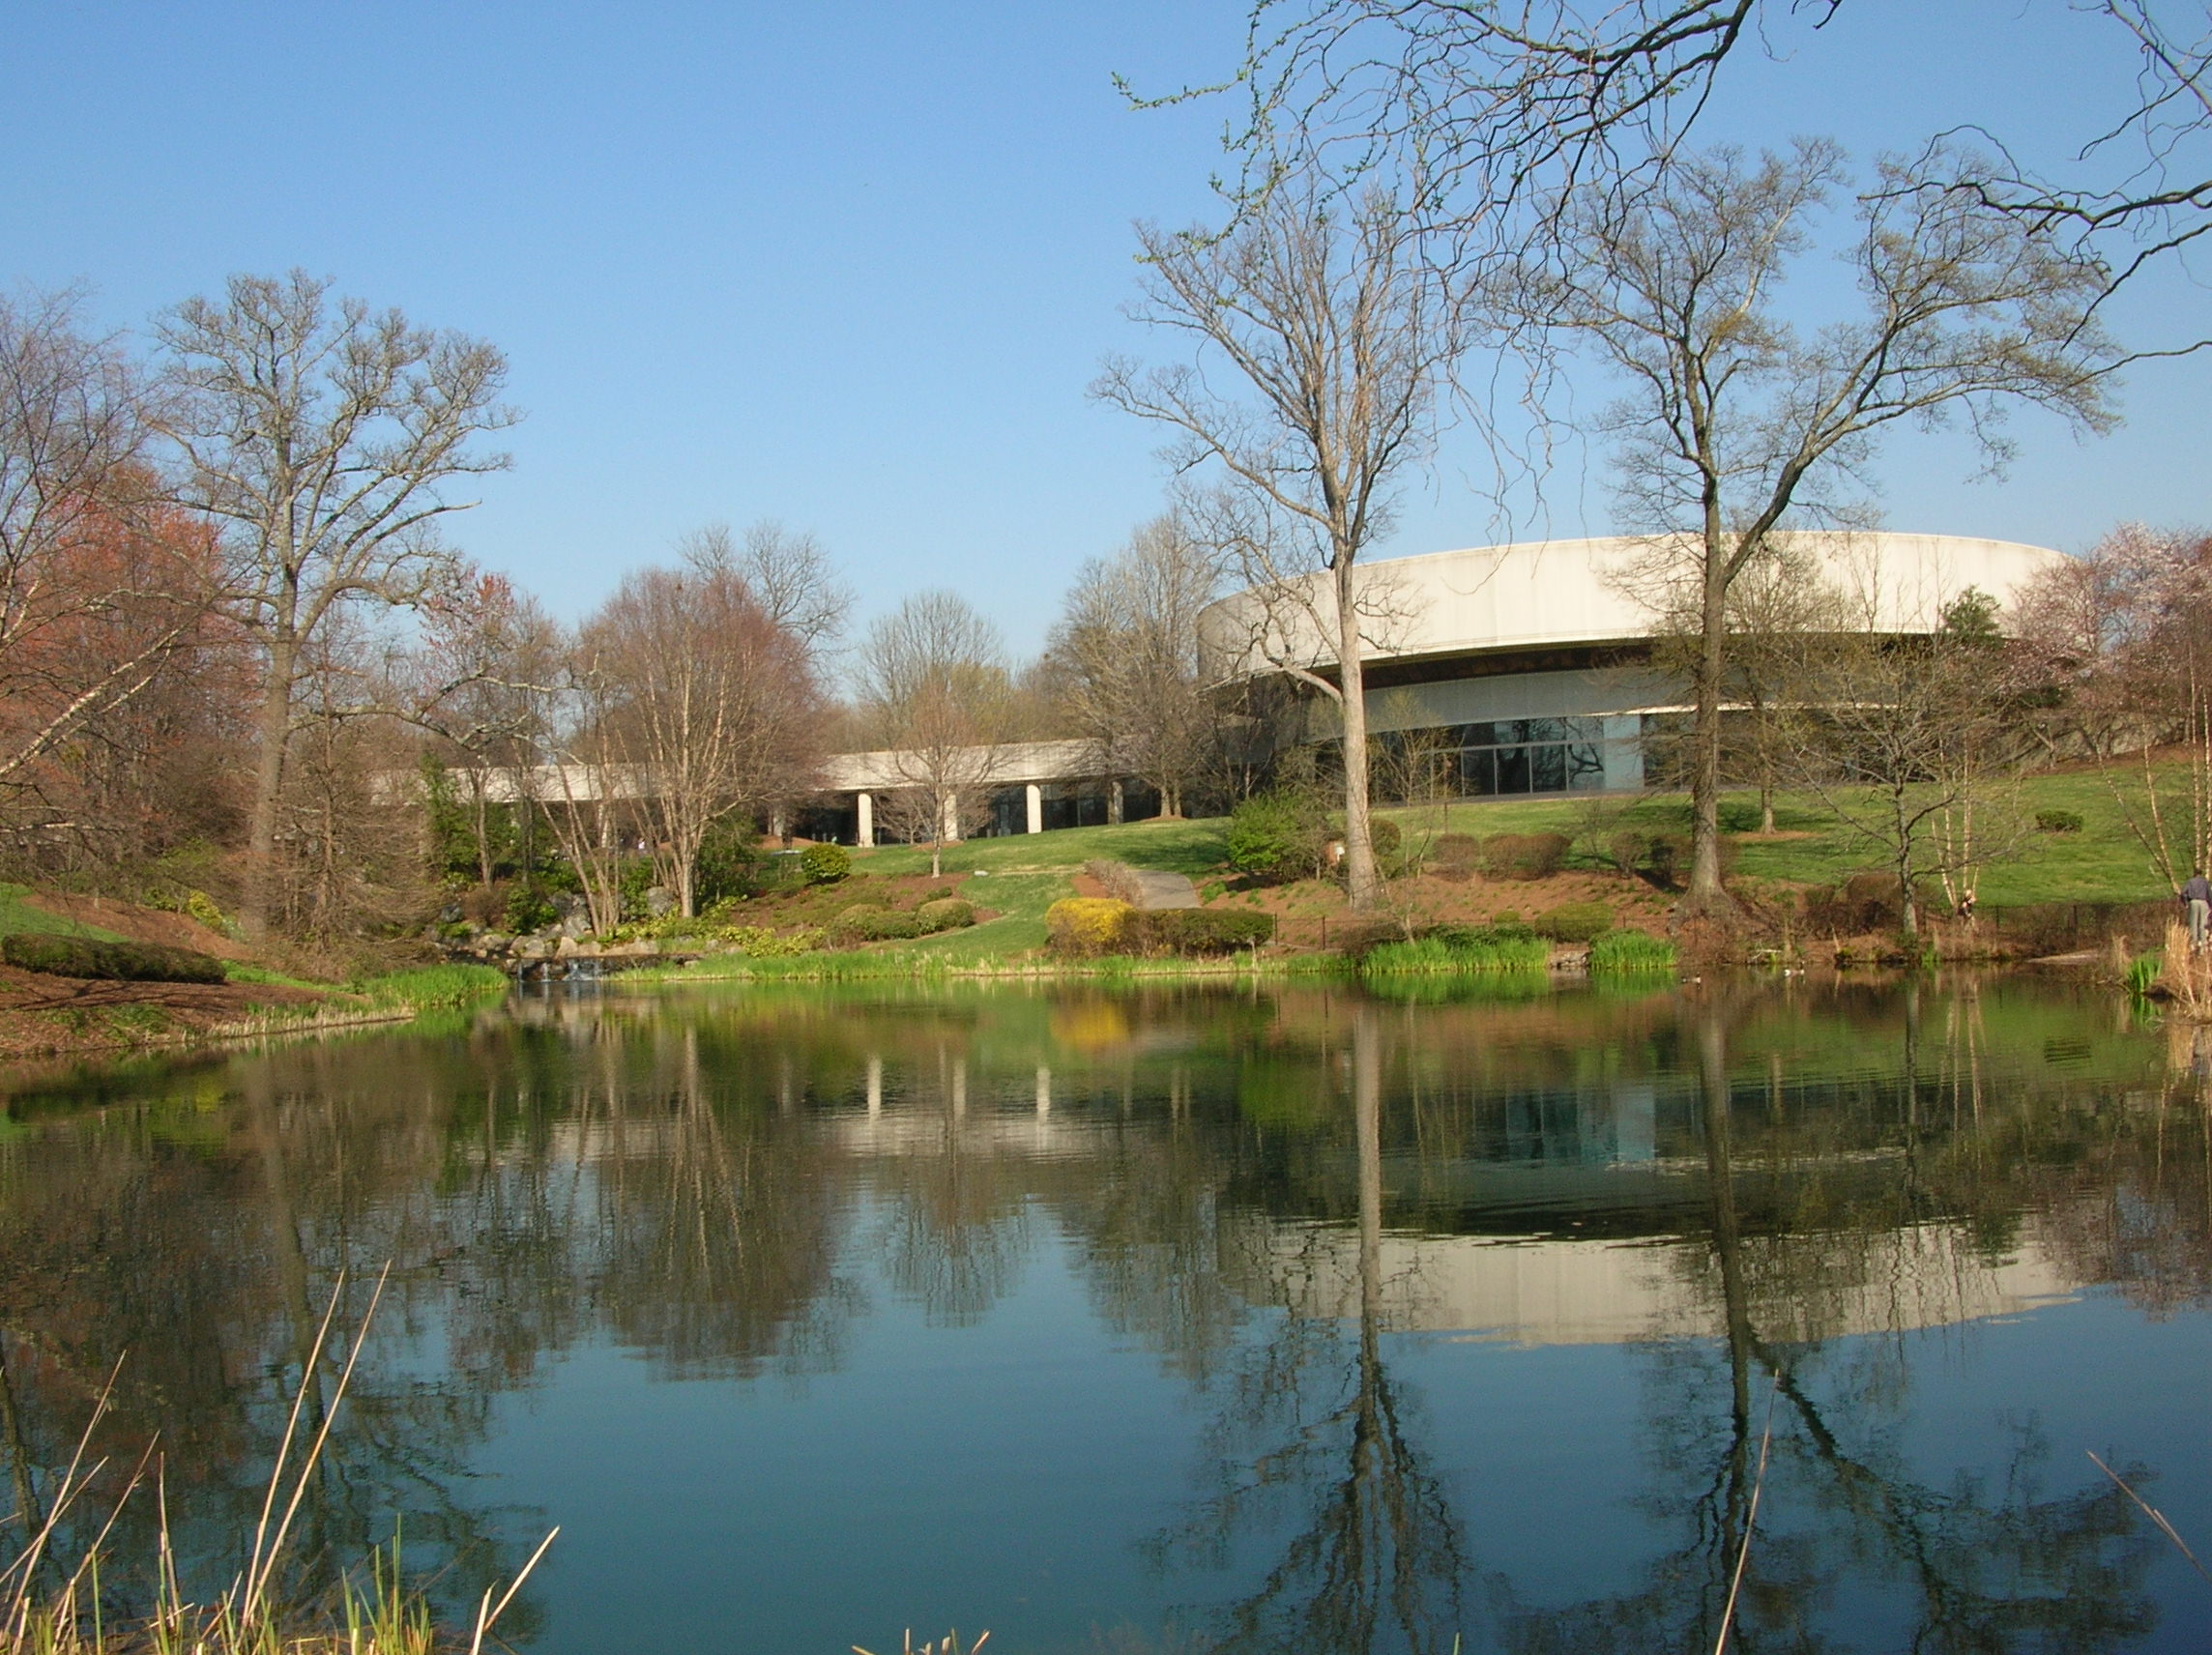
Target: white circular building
{"x": 1533, "y": 662}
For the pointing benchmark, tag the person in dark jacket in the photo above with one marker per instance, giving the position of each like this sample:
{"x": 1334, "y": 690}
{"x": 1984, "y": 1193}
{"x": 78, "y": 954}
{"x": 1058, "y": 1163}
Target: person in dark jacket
{"x": 2197, "y": 907}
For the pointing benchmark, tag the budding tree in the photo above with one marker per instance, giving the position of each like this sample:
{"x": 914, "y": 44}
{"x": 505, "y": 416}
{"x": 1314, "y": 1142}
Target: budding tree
{"x": 1735, "y": 421}
{"x": 98, "y": 587}
{"x": 319, "y": 438}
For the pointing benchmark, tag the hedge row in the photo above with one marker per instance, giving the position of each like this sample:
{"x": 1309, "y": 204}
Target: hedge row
{"x": 116, "y": 962}
{"x": 1084, "y": 927}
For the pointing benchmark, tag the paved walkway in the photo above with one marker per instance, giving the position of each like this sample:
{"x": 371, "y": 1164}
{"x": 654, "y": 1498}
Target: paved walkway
{"x": 1156, "y": 890}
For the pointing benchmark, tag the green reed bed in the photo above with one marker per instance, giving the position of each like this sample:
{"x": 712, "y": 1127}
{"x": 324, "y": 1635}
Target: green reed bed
{"x": 431, "y": 988}
{"x": 1631, "y": 953}
{"x": 1458, "y": 952}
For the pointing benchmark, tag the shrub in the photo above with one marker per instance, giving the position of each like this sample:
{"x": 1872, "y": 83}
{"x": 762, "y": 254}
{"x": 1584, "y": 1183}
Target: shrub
{"x": 1085, "y": 925}
{"x": 200, "y": 906}
{"x": 1506, "y": 918}
{"x": 1118, "y": 880}
{"x": 853, "y": 913}
{"x": 1628, "y": 951}
{"x": 1195, "y": 931}
{"x": 825, "y": 864}
{"x": 1575, "y": 921}
{"x": 765, "y": 943}
{"x": 937, "y": 893}
{"x": 1628, "y": 849}
{"x": 945, "y": 914}
{"x": 2058, "y": 821}
{"x": 1459, "y": 853}
{"x": 1525, "y": 855}
{"x": 115, "y": 962}
{"x": 529, "y": 909}
{"x": 1276, "y": 837}
{"x": 1388, "y": 844}
{"x": 880, "y": 924}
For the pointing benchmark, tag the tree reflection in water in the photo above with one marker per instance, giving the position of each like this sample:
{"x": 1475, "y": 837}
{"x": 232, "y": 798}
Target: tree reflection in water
{"x": 1245, "y": 1185}
{"x": 1982, "y": 1563}
{"x": 1314, "y": 1419}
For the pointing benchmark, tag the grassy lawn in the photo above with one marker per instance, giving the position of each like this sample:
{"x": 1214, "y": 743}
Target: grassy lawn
{"x": 2101, "y": 863}
{"x": 16, "y": 914}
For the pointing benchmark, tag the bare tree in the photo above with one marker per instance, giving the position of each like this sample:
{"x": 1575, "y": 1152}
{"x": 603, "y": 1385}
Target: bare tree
{"x": 1129, "y": 652}
{"x": 1735, "y": 424}
{"x": 319, "y": 437}
{"x": 932, "y": 677}
{"x": 1336, "y": 328}
{"x": 716, "y": 705}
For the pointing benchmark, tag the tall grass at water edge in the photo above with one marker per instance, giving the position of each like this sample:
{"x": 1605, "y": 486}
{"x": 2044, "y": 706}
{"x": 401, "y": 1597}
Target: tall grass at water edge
{"x": 431, "y": 988}
{"x": 1441, "y": 955}
{"x": 1631, "y": 953}
{"x": 53, "y": 1606}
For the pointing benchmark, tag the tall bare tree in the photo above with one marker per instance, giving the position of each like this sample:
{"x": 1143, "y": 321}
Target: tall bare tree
{"x": 716, "y": 707}
{"x": 319, "y": 437}
{"x": 933, "y": 683}
{"x": 1735, "y": 424}
{"x": 1130, "y": 661}
{"x": 1335, "y": 327}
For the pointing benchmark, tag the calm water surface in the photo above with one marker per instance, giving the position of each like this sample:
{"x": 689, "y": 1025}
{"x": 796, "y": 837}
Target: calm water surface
{"x": 1292, "y": 1320}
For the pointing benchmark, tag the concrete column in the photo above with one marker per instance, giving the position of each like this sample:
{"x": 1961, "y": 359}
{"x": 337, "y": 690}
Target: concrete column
{"x": 776, "y": 824}
{"x": 1036, "y": 797}
{"x": 951, "y": 818}
{"x": 1114, "y": 801}
{"x": 867, "y": 833}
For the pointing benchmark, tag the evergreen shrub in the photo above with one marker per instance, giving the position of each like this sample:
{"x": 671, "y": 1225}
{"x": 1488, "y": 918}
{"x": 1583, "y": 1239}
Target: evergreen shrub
{"x": 114, "y": 962}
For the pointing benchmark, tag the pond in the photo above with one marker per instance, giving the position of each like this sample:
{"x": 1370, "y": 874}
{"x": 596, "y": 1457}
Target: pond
{"x": 1267, "y": 1319}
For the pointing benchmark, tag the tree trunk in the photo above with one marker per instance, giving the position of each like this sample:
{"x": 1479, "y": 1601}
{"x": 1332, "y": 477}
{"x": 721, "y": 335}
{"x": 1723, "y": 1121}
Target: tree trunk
{"x": 276, "y": 733}
{"x": 1706, "y": 894}
{"x": 1361, "y": 883}
{"x": 1766, "y": 810}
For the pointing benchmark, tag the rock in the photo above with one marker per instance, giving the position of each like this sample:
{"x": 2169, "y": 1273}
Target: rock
{"x": 567, "y": 903}
{"x": 659, "y": 900}
{"x": 577, "y": 926}
{"x": 532, "y": 948}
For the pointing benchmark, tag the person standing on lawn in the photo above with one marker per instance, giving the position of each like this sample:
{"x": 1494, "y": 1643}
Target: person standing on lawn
{"x": 2197, "y": 905}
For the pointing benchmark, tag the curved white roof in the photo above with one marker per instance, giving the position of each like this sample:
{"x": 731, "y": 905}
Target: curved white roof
{"x": 1542, "y": 595}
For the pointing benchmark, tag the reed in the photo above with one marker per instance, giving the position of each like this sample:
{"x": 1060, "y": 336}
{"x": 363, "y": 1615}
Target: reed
{"x": 1631, "y": 952}
{"x": 1466, "y": 952}
{"x": 383, "y": 1617}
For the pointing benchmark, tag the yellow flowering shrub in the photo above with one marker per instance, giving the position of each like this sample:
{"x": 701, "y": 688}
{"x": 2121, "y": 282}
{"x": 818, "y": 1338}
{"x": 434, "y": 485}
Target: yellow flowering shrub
{"x": 1085, "y": 925}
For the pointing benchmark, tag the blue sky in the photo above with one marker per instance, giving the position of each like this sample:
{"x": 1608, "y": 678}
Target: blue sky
{"x": 854, "y": 267}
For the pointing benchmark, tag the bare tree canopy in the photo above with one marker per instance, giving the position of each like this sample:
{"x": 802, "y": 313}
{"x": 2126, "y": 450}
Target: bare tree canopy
{"x": 1504, "y": 109}
{"x": 1735, "y": 424}
{"x": 712, "y": 705}
{"x": 934, "y": 691}
{"x": 318, "y": 437}
{"x": 1128, "y": 652}
{"x": 1331, "y": 330}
